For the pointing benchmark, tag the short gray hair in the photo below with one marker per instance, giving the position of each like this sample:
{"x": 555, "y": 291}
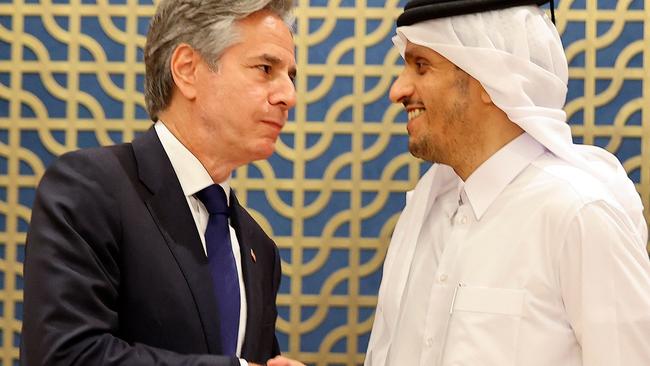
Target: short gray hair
{"x": 208, "y": 26}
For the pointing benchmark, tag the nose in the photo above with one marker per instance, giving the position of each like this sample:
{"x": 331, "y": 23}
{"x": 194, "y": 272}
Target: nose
{"x": 401, "y": 88}
{"x": 284, "y": 94}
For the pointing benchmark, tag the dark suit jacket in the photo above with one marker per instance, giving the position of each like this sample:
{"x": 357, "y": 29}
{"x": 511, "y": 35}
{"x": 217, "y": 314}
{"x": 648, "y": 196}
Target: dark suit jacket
{"x": 115, "y": 273}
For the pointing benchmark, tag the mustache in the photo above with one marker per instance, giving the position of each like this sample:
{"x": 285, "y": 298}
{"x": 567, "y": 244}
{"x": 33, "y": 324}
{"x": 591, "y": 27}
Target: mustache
{"x": 408, "y": 102}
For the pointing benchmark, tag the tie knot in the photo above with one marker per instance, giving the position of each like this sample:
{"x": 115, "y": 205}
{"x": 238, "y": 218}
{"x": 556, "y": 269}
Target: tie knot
{"x": 214, "y": 199}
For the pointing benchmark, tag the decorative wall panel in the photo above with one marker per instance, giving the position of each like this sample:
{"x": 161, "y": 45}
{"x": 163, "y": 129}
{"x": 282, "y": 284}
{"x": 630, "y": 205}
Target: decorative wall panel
{"x": 71, "y": 76}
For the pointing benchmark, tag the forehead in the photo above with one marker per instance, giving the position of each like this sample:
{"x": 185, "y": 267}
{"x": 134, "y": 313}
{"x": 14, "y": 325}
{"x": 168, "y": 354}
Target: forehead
{"x": 264, "y": 28}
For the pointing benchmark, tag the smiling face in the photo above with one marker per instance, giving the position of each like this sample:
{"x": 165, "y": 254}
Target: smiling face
{"x": 438, "y": 98}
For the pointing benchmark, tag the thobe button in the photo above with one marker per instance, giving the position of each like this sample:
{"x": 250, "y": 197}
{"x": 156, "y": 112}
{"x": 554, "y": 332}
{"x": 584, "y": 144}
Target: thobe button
{"x": 429, "y": 342}
{"x": 443, "y": 277}
{"x": 463, "y": 220}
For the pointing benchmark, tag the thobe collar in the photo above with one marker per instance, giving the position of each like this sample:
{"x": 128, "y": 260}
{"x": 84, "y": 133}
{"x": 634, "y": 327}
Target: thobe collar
{"x": 190, "y": 172}
{"x": 485, "y": 184}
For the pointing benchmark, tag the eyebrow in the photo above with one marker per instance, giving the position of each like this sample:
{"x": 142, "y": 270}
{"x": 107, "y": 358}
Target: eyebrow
{"x": 273, "y": 60}
{"x": 416, "y": 54}
{"x": 409, "y": 55}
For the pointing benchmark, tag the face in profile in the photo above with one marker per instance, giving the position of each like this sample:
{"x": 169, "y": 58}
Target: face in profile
{"x": 436, "y": 95}
{"x": 244, "y": 103}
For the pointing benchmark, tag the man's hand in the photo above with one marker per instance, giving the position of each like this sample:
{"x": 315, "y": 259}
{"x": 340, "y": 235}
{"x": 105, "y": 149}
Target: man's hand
{"x": 283, "y": 361}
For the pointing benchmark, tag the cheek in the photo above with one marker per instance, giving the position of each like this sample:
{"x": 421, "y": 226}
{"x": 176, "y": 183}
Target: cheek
{"x": 253, "y": 99}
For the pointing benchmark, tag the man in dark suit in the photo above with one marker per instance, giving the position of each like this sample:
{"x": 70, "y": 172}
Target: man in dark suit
{"x": 140, "y": 254}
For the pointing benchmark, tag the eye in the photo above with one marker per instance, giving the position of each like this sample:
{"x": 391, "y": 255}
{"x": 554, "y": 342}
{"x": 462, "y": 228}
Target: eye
{"x": 420, "y": 66}
{"x": 264, "y": 68}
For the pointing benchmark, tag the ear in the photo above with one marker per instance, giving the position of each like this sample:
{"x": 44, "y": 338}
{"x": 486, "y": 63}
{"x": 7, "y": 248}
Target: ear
{"x": 485, "y": 97}
{"x": 184, "y": 65}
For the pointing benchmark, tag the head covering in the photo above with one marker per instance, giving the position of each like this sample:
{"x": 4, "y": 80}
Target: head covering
{"x": 524, "y": 70}
{"x": 420, "y": 10}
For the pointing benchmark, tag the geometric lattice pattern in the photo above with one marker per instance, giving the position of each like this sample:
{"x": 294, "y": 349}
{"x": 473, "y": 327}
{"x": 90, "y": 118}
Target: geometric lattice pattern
{"x": 71, "y": 76}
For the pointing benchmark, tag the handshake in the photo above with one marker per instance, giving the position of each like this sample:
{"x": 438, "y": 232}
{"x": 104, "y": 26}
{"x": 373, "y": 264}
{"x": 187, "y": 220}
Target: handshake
{"x": 279, "y": 361}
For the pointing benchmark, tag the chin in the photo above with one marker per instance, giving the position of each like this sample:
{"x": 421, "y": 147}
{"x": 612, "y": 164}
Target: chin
{"x": 264, "y": 150}
{"x": 422, "y": 151}
{"x": 415, "y": 149}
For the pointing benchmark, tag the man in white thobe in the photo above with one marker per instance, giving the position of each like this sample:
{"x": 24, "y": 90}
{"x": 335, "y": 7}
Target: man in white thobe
{"x": 517, "y": 247}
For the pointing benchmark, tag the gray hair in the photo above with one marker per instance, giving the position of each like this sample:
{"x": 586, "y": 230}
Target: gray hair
{"x": 208, "y": 26}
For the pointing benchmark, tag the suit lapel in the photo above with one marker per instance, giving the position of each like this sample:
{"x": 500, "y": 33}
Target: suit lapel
{"x": 250, "y": 271}
{"x": 168, "y": 206}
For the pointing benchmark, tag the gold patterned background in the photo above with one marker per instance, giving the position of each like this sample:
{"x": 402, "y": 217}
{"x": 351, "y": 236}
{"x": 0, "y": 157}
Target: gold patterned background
{"x": 71, "y": 75}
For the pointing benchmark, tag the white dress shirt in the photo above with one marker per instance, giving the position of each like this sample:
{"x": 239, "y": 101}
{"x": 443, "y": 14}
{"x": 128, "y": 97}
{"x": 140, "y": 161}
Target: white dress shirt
{"x": 529, "y": 262}
{"x": 193, "y": 177}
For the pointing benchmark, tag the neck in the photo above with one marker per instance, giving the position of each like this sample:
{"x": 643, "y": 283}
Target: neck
{"x": 492, "y": 139}
{"x": 200, "y": 144}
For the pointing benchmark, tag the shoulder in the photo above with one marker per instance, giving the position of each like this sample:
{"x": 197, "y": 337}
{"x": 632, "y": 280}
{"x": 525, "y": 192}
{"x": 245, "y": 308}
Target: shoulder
{"x": 78, "y": 198}
{"x": 104, "y": 156}
{"x": 557, "y": 198}
{"x": 98, "y": 163}
{"x": 83, "y": 177}
{"x": 552, "y": 189}
{"x": 559, "y": 191}
{"x": 563, "y": 182}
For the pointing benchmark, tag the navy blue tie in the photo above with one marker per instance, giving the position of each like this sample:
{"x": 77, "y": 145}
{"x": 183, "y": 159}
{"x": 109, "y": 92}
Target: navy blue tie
{"x": 222, "y": 265}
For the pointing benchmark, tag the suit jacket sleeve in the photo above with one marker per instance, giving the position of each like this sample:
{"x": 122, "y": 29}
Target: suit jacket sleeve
{"x": 72, "y": 275}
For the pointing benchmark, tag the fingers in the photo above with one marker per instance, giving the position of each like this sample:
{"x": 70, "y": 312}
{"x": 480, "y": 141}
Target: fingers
{"x": 283, "y": 361}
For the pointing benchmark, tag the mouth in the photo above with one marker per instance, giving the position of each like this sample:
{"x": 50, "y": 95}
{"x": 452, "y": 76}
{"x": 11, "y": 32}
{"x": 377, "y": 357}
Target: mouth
{"x": 276, "y": 124}
{"x": 414, "y": 113}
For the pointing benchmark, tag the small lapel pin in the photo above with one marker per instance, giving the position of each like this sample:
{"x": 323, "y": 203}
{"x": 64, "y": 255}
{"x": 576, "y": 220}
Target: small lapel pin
{"x": 253, "y": 256}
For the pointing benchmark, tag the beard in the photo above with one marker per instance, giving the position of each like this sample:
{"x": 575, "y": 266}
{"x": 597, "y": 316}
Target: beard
{"x": 422, "y": 148}
{"x": 444, "y": 145}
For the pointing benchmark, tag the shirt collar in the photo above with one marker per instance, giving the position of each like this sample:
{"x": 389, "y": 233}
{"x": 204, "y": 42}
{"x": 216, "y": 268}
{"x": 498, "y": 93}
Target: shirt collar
{"x": 190, "y": 172}
{"x": 485, "y": 184}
